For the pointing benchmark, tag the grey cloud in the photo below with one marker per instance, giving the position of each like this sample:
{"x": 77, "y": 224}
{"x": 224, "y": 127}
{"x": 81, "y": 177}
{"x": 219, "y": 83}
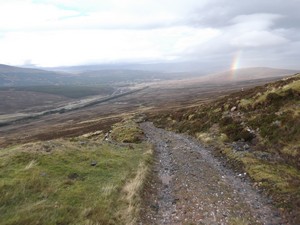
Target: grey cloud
{"x": 257, "y": 39}
{"x": 267, "y": 32}
{"x": 219, "y": 13}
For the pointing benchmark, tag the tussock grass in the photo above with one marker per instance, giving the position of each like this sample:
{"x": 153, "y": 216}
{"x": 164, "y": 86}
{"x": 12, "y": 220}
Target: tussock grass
{"x": 132, "y": 189}
{"x": 127, "y": 131}
{"x": 78, "y": 181}
{"x": 238, "y": 221}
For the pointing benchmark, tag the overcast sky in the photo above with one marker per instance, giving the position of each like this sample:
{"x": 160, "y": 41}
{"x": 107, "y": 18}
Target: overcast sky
{"x": 74, "y": 32}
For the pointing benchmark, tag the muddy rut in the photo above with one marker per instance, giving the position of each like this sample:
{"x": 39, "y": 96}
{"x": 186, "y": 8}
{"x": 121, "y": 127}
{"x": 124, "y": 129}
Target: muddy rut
{"x": 190, "y": 186}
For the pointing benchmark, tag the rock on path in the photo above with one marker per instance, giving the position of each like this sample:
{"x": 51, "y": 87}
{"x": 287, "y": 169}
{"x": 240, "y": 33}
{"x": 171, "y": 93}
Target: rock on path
{"x": 190, "y": 186}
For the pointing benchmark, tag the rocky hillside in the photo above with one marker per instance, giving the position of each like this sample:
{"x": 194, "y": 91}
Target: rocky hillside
{"x": 256, "y": 131}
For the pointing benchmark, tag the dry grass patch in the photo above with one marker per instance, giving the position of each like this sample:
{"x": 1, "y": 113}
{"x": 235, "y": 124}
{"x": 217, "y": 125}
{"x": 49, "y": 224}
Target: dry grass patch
{"x": 132, "y": 190}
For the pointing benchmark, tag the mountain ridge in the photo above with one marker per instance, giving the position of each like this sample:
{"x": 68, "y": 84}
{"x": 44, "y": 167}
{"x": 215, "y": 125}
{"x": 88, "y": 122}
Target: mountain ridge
{"x": 18, "y": 76}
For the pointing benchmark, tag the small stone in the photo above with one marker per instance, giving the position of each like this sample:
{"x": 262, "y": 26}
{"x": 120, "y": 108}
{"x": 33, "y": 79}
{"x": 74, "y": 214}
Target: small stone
{"x": 175, "y": 201}
{"x": 233, "y": 109}
{"x": 93, "y": 163}
{"x": 277, "y": 123}
{"x": 73, "y": 176}
{"x": 256, "y": 206}
{"x": 43, "y": 174}
{"x": 154, "y": 207}
{"x": 246, "y": 147}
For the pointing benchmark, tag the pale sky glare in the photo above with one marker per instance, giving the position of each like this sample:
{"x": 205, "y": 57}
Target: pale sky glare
{"x": 51, "y": 33}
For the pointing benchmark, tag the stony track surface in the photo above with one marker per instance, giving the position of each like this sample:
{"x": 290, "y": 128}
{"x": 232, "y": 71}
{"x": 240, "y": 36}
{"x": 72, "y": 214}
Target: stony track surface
{"x": 190, "y": 186}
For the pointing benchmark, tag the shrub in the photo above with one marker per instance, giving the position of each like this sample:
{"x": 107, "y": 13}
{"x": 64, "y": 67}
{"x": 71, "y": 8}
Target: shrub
{"x": 236, "y": 132}
{"x": 226, "y": 121}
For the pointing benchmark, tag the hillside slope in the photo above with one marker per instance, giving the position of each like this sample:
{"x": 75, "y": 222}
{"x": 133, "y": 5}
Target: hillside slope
{"x": 11, "y": 76}
{"x": 258, "y": 132}
{"x": 94, "y": 178}
{"x": 249, "y": 74}
{"x": 17, "y": 76}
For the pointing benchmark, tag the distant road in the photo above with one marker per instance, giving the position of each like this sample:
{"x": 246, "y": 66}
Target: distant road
{"x": 11, "y": 118}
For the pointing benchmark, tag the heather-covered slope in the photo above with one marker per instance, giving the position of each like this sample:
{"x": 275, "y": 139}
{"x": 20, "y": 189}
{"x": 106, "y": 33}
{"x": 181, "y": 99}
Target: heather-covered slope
{"x": 258, "y": 131}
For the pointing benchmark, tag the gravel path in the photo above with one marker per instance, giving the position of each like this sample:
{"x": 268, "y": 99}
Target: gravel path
{"x": 190, "y": 186}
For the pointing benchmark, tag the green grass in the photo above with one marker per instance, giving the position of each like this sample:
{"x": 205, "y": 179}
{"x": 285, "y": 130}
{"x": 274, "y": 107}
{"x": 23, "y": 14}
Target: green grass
{"x": 55, "y": 183}
{"x": 127, "y": 131}
{"x": 245, "y": 103}
{"x": 295, "y": 85}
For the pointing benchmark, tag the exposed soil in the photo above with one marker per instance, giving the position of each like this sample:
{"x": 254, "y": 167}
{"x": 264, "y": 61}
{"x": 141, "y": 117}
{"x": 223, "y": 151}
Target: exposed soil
{"x": 190, "y": 186}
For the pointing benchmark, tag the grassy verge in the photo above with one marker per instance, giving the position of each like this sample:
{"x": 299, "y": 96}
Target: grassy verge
{"x": 278, "y": 179}
{"x": 82, "y": 180}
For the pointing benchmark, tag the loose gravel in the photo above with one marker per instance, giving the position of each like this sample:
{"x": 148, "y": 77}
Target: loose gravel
{"x": 190, "y": 186}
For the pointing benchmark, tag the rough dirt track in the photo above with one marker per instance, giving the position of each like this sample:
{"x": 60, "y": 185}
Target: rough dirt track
{"x": 190, "y": 186}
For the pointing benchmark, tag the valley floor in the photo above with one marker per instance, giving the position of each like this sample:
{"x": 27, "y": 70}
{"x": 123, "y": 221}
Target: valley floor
{"x": 190, "y": 186}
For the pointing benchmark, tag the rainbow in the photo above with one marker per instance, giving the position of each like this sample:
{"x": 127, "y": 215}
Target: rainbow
{"x": 235, "y": 64}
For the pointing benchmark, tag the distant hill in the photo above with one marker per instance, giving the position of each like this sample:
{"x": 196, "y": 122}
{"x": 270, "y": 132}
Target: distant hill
{"x": 164, "y": 67}
{"x": 249, "y": 74}
{"x": 118, "y": 75}
{"x": 232, "y": 77}
{"x": 17, "y": 76}
{"x": 11, "y": 76}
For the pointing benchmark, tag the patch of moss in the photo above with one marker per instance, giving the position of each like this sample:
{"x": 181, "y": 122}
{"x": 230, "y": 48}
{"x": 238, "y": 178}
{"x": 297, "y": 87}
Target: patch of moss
{"x": 279, "y": 180}
{"x": 127, "y": 131}
{"x": 238, "y": 221}
{"x": 204, "y": 138}
{"x": 291, "y": 150}
{"x": 245, "y": 103}
{"x": 223, "y": 138}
